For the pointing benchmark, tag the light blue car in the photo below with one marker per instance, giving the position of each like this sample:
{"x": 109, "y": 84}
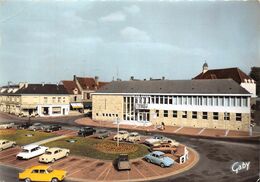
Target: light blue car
{"x": 157, "y": 157}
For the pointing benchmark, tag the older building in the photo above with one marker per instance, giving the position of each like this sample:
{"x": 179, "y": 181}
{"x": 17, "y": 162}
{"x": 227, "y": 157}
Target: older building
{"x": 234, "y": 73}
{"x": 34, "y": 99}
{"x": 221, "y": 104}
{"x": 80, "y": 89}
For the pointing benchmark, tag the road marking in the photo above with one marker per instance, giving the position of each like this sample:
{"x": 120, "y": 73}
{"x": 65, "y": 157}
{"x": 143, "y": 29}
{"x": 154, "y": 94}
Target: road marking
{"x": 178, "y": 129}
{"x": 103, "y": 171}
{"x": 150, "y": 168}
{"x": 60, "y": 161}
{"x": 8, "y": 155}
{"x": 140, "y": 172}
{"x": 107, "y": 173}
{"x": 83, "y": 168}
{"x": 73, "y": 164}
{"x": 201, "y": 131}
{"x": 226, "y": 133}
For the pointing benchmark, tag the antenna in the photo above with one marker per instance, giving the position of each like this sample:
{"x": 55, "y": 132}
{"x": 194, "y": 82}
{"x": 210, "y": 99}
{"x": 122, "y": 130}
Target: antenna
{"x": 117, "y": 72}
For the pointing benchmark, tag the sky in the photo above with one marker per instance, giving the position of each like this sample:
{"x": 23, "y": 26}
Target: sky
{"x": 52, "y": 40}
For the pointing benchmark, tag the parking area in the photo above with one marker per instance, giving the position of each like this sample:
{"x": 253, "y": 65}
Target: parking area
{"x": 101, "y": 170}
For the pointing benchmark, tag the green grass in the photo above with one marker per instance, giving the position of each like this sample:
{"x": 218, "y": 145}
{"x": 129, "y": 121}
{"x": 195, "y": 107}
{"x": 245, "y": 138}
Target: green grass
{"x": 19, "y": 136}
{"x": 86, "y": 147}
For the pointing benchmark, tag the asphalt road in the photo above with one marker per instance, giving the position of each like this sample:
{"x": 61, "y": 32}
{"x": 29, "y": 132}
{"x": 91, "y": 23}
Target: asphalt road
{"x": 216, "y": 160}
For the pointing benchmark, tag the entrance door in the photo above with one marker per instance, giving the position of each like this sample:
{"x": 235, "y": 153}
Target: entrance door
{"x": 63, "y": 111}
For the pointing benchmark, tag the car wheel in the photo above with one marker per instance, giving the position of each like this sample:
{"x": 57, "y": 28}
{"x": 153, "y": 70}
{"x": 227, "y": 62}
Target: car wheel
{"x": 1, "y": 149}
{"x": 27, "y": 180}
{"x": 53, "y": 160}
{"x": 148, "y": 160}
{"x": 162, "y": 165}
{"x": 67, "y": 154}
{"x": 54, "y": 180}
{"x": 13, "y": 145}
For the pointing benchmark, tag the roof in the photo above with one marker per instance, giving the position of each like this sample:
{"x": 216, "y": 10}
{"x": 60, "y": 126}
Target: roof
{"x": 40, "y": 167}
{"x": 87, "y": 83}
{"x": 30, "y": 146}
{"x": 70, "y": 86}
{"x": 43, "y": 89}
{"x": 53, "y": 149}
{"x": 228, "y": 73}
{"x": 219, "y": 86}
{"x": 158, "y": 153}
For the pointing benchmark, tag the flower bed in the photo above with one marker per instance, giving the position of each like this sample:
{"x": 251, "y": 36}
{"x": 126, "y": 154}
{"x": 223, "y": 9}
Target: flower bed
{"x": 112, "y": 148}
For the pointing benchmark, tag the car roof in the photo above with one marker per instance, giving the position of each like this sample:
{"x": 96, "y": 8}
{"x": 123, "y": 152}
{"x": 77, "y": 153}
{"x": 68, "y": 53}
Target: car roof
{"x": 3, "y": 140}
{"x": 53, "y": 149}
{"x": 158, "y": 153}
{"x": 31, "y": 146}
{"x": 40, "y": 167}
{"x": 134, "y": 133}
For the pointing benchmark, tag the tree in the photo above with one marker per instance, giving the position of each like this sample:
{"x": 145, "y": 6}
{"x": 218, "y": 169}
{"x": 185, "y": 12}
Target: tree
{"x": 255, "y": 74}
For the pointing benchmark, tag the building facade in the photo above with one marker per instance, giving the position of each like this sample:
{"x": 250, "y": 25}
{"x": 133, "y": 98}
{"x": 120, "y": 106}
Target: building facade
{"x": 217, "y": 104}
{"x": 34, "y": 100}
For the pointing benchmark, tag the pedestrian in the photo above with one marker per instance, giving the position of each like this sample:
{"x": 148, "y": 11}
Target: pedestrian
{"x": 163, "y": 126}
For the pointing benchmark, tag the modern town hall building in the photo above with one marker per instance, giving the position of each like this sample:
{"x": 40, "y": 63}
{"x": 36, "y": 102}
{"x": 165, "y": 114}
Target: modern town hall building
{"x": 220, "y": 103}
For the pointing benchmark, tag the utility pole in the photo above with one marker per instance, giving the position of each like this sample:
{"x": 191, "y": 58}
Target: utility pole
{"x": 117, "y": 120}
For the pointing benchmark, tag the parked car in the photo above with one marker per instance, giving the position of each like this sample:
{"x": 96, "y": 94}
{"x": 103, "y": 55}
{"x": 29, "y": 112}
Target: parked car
{"x": 24, "y": 125}
{"x": 51, "y": 128}
{"x": 122, "y": 135}
{"x": 155, "y": 140}
{"x": 101, "y": 134}
{"x": 133, "y": 137}
{"x": 157, "y": 157}
{"x": 30, "y": 151}
{"x": 6, "y": 125}
{"x": 36, "y": 126}
{"x": 42, "y": 173}
{"x": 122, "y": 162}
{"x": 53, "y": 154}
{"x": 86, "y": 131}
{"x": 170, "y": 141}
{"x": 5, "y": 144}
{"x": 165, "y": 147}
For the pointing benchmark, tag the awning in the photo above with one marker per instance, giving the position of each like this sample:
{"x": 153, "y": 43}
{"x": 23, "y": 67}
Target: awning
{"x": 76, "y": 105}
{"x": 28, "y": 107}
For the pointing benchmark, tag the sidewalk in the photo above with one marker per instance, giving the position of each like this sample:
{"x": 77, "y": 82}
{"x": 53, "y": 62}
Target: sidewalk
{"x": 185, "y": 131}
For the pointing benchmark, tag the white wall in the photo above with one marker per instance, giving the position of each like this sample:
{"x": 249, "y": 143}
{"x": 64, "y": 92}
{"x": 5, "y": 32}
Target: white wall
{"x": 250, "y": 87}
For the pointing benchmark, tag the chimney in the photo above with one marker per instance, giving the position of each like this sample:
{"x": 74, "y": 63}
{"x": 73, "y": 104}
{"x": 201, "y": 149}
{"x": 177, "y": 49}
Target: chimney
{"x": 25, "y": 85}
{"x": 21, "y": 84}
{"x": 205, "y": 67}
{"x": 132, "y": 78}
{"x": 96, "y": 80}
{"x": 163, "y": 78}
{"x": 74, "y": 77}
{"x": 151, "y": 78}
{"x": 43, "y": 83}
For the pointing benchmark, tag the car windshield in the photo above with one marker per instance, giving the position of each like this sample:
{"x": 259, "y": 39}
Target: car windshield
{"x": 102, "y": 131}
{"x": 37, "y": 124}
{"x": 25, "y": 150}
{"x": 49, "y": 170}
{"x": 132, "y": 135}
{"x": 48, "y": 153}
{"x": 122, "y": 132}
{"x": 160, "y": 156}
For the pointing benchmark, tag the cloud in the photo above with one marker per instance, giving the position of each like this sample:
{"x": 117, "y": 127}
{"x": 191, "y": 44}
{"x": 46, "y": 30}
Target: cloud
{"x": 133, "y": 34}
{"x": 114, "y": 17}
{"x": 134, "y": 9}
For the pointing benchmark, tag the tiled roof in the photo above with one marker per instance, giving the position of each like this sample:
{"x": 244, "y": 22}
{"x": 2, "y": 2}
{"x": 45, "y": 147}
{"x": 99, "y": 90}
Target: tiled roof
{"x": 233, "y": 73}
{"x": 87, "y": 83}
{"x": 70, "y": 86}
{"x": 101, "y": 84}
{"x": 218, "y": 86}
{"x": 43, "y": 89}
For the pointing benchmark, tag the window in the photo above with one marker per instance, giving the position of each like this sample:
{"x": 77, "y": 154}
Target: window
{"x": 161, "y": 99}
{"x": 194, "y": 101}
{"x": 53, "y": 99}
{"x": 215, "y": 115}
{"x": 157, "y": 100}
{"x": 175, "y": 100}
{"x": 189, "y": 100}
{"x": 204, "y": 115}
{"x": 184, "y": 114}
{"x": 45, "y": 99}
{"x": 185, "y": 102}
{"x": 227, "y": 116}
{"x": 221, "y": 101}
{"x": 165, "y": 100}
{"x": 174, "y": 114}
{"x": 239, "y": 102}
{"x": 200, "y": 101}
{"x": 157, "y": 113}
{"x": 59, "y": 99}
{"x": 227, "y": 103}
{"x": 204, "y": 99}
{"x": 194, "y": 114}
{"x": 244, "y": 102}
{"x": 165, "y": 113}
{"x": 152, "y": 99}
{"x": 238, "y": 117}
{"x": 109, "y": 115}
{"x": 215, "y": 101}
{"x": 210, "y": 101}
{"x": 116, "y": 115}
{"x": 96, "y": 114}
{"x": 103, "y": 114}
{"x": 233, "y": 101}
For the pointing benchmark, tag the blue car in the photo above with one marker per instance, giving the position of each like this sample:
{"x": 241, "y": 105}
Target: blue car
{"x": 157, "y": 157}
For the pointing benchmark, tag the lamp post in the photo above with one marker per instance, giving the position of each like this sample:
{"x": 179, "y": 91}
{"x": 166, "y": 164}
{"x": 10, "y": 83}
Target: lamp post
{"x": 117, "y": 121}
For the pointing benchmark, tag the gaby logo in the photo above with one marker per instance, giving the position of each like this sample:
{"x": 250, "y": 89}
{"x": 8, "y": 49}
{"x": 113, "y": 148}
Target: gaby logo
{"x": 238, "y": 166}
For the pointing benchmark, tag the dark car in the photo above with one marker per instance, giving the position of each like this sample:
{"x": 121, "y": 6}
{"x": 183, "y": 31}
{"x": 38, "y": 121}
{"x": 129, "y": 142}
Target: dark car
{"x": 122, "y": 162}
{"x": 86, "y": 131}
{"x": 24, "y": 125}
{"x": 52, "y": 128}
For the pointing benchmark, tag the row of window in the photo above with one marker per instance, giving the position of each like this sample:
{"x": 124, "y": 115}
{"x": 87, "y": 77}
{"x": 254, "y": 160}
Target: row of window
{"x": 194, "y": 115}
{"x": 194, "y": 100}
{"x": 108, "y": 115}
{"x": 9, "y": 98}
{"x": 55, "y": 99}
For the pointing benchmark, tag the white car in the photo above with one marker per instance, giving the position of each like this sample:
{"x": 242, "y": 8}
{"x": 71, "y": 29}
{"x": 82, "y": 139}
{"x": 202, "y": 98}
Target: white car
{"x": 122, "y": 135}
{"x": 154, "y": 141}
{"x": 5, "y": 144}
{"x": 6, "y": 125}
{"x": 133, "y": 137}
{"x": 53, "y": 154}
{"x": 30, "y": 151}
